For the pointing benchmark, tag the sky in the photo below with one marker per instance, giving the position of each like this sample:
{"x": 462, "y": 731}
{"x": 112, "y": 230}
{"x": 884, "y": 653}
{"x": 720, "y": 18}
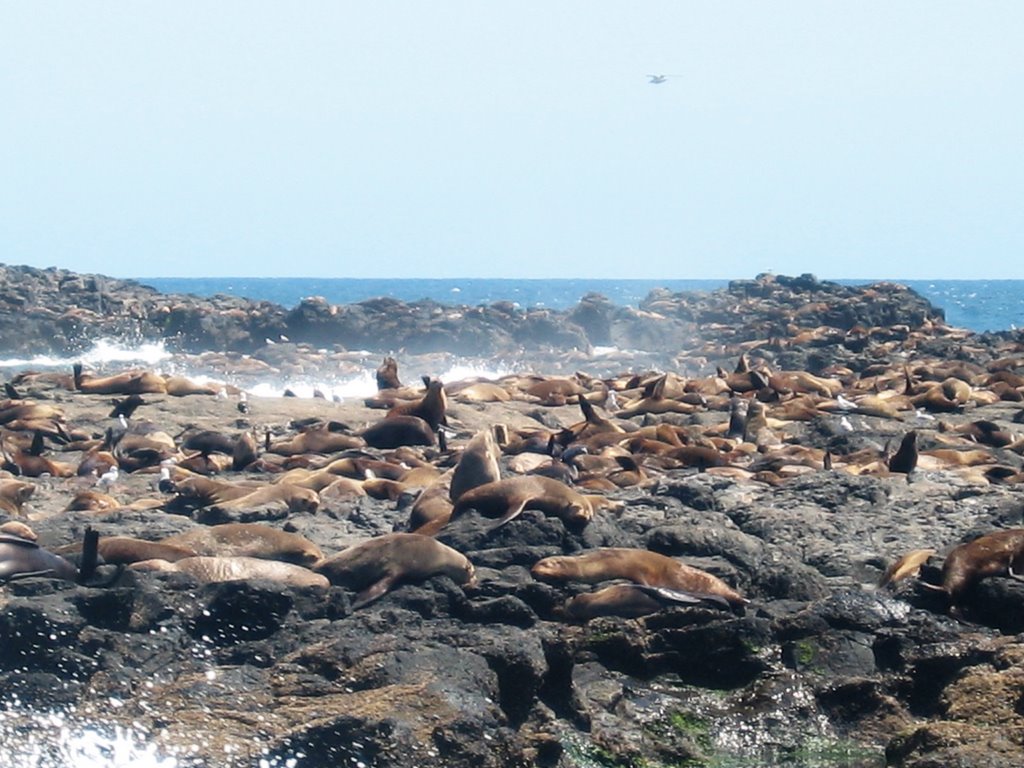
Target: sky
{"x": 513, "y": 139}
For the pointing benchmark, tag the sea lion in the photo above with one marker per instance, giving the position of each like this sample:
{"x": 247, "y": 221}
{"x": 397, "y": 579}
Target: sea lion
{"x": 905, "y": 458}
{"x": 19, "y": 529}
{"x": 907, "y": 566}
{"x": 478, "y": 464}
{"x": 993, "y": 554}
{"x": 249, "y": 540}
{"x": 387, "y": 374}
{"x": 639, "y": 566}
{"x": 13, "y": 494}
{"x": 628, "y": 601}
{"x": 506, "y": 499}
{"x": 122, "y": 550}
{"x": 91, "y": 500}
{"x": 237, "y": 568}
{"x": 375, "y": 566}
{"x": 323, "y": 438}
{"x": 127, "y": 383}
{"x": 397, "y": 431}
{"x": 179, "y": 386}
{"x": 433, "y": 507}
{"x": 432, "y": 407}
{"x": 23, "y": 558}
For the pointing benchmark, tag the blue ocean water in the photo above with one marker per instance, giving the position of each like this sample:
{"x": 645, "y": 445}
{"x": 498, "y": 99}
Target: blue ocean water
{"x": 980, "y": 305}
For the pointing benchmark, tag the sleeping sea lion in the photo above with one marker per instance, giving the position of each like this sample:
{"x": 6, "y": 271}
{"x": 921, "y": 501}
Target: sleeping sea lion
{"x": 249, "y": 540}
{"x": 640, "y": 566}
{"x": 237, "y": 568}
{"x": 625, "y": 600}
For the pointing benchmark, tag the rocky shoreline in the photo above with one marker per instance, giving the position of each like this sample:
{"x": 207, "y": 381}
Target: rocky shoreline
{"x": 821, "y": 669}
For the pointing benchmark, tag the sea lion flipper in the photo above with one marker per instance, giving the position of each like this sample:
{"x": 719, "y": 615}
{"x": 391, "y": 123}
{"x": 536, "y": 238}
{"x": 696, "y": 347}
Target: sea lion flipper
{"x": 90, "y": 555}
{"x": 670, "y": 595}
{"x": 511, "y": 515}
{"x": 372, "y": 592}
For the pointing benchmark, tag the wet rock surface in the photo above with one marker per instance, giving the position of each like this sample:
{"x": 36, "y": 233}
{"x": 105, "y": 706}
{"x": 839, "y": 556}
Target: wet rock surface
{"x": 822, "y": 668}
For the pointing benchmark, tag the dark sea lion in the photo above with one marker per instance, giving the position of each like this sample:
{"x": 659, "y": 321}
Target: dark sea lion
{"x": 905, "y": 458}
{"x": 506, "y": 499}
{"x": 23, "y": 558}
{"x": 398, "y": 431}
{"x": 628, "y": 601}
{"x": 737, "y": 417}
{"x": 249, "y": 540}
{"x": 432, "y": 407}
{"x": 236, "y": 568}
{"x": 478, "y": 464}
{"x": 993, "y": 554}
{"x": 373, "y": 567}
{"x": 640, "y": 566}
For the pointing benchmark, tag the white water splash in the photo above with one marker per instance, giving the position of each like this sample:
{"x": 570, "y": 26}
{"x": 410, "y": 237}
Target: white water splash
{"x": 53, "y": 740}
{"x": 103, "y": 353}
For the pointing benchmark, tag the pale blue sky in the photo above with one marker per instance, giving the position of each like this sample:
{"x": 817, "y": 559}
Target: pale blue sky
{"x": 499, "y": 139}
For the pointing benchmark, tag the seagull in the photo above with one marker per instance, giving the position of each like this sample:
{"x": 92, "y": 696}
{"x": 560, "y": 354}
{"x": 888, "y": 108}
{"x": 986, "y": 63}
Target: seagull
{"x": 657, "y": 79}
{"x": 845, "y": 424}
{"x": 846, "y": 405}
{"x": 165, "y": 484}
{"x": 107, "y": 479}
{"x": 243, "y": 403}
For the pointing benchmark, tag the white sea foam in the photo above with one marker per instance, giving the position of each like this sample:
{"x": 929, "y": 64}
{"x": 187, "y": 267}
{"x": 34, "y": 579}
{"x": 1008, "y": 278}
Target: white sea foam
{"x": 363, "y": 384}
{"x": 102, "y": 354}
{"x": 56, "y": 741}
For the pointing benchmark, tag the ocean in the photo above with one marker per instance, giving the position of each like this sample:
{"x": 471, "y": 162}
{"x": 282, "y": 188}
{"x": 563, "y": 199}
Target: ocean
{"x": 980, "y": 305}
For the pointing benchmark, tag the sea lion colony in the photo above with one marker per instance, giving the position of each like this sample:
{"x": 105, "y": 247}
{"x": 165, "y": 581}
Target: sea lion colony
{"x": 737, "y": 425}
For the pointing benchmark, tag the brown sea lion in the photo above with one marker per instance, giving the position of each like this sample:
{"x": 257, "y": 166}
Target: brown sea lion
{"x": 179, "y": 386}
{"x": 237, "y": 568}
{"x": 639, "y": 566}
{"x": 19, "y": 529}
{"x": 628, "y": 601}
{"x": 122, "y": 550}
{"x": 127, "y": 383}
{"x": 506, "y": 499}
{"x": 249, "y": 540}
{"x": 373, "y": 567}
{"x": 91, "y": 500}
{"x": 387, "y": 374}
{"x": 906, "y": 567}
{"x": 293, "y": 497}
{"x": 323, "y": 438}
{"x": 993, "y": 554}
{"x": 433, "y": 507}
{"x": 13, "y": 494}
{"x": 478, "y": 464}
